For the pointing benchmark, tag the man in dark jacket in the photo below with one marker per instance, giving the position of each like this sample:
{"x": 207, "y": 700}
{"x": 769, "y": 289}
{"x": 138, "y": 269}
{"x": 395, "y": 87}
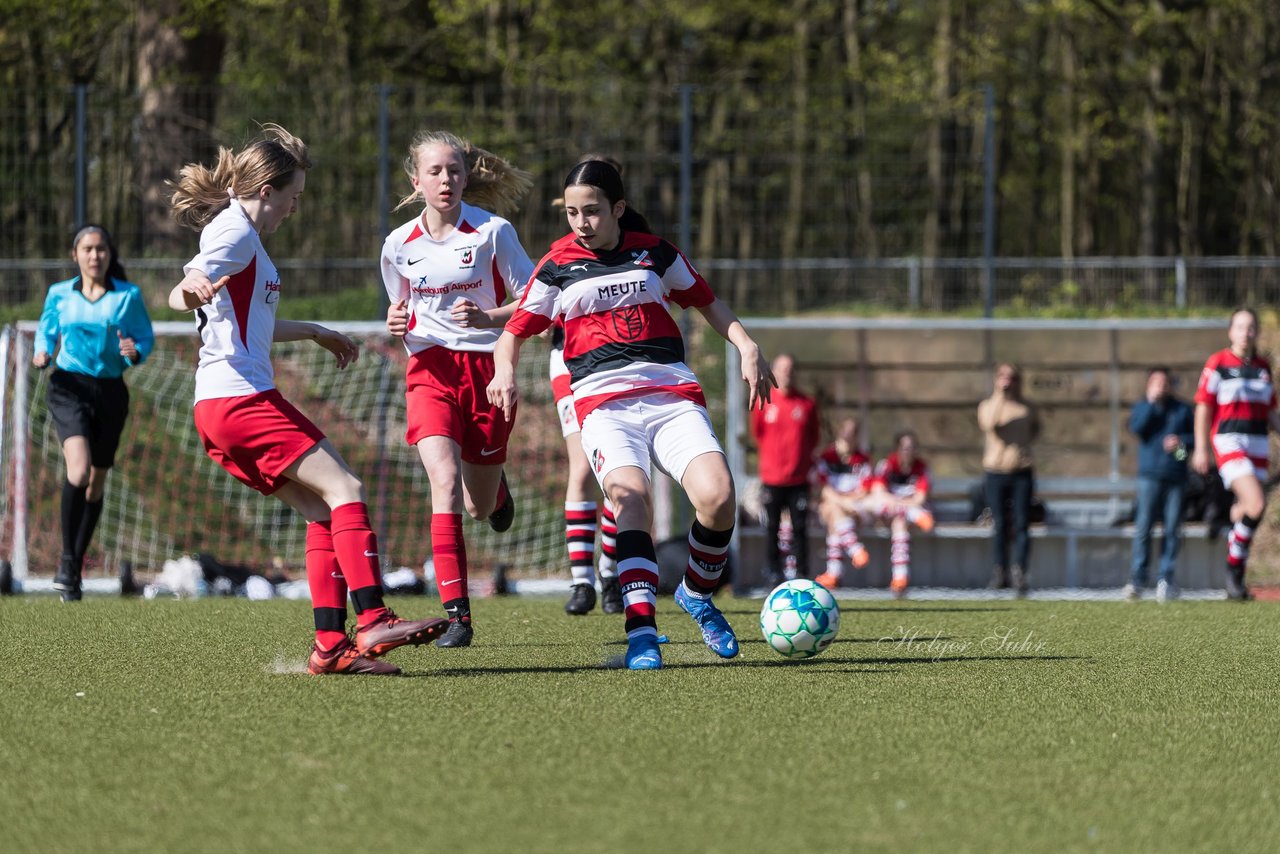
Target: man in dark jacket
{"x": 1165, "y": 428}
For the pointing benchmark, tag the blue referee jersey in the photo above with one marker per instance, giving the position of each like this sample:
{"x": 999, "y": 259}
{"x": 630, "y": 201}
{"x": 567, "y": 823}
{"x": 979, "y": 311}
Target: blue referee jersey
{"x": 88, "y": 330}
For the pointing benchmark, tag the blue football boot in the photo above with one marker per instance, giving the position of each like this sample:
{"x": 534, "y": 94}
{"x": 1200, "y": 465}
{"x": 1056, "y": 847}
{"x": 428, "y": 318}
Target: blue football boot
{"x": 716, "y": 631}
{"x": 643, "y": 653}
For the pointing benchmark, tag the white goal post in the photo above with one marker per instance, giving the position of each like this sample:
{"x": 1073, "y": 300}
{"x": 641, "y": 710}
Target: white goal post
{"x": 165, "y": 498}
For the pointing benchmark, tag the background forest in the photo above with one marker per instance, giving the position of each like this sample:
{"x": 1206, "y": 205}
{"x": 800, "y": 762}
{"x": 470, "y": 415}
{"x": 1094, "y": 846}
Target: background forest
{"x": 820, "y": 128}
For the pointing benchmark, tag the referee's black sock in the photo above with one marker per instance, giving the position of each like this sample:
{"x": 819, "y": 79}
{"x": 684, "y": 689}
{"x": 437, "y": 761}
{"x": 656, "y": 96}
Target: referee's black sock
{"x": 73, "y": 504}
{"x": 88, "y": 524}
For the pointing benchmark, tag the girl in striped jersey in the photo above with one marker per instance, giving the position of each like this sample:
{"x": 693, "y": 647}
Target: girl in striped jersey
{"x": 247, "y": 426}
{"x": 844, "y": 475}
{"x": 448, "y": 272}
{"x": 1235, "y": 406}
{"x": 637, "y": 401}
{"x": 579, "y": 503}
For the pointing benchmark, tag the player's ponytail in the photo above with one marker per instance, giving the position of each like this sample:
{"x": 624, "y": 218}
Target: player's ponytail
{"x": 606, "y": 178}
{"x": 200, "y": 193}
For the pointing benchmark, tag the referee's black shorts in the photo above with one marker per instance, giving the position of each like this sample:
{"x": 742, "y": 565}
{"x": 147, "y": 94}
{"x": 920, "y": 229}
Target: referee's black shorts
{"x": 93, "y": 407}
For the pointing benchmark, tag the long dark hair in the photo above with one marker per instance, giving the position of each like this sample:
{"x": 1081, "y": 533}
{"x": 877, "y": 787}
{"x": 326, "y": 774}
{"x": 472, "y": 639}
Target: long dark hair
{"x": 604, "y": 177}
{"x": 115, "y": 270}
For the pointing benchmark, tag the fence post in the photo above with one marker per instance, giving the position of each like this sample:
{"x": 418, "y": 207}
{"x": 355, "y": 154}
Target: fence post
{"x": 82, "y": 167}
{"x": 1180, "y": 277}
{"x": 384, "y": 167}
{"x": 913, "y": 282}
{"x": 735, "y": 428}
{"x": 988, "y": 198}
{"x": 21, "y": 368}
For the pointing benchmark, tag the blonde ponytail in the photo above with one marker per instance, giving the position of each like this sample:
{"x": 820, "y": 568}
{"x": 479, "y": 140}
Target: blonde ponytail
{"x": 201, "y": 193}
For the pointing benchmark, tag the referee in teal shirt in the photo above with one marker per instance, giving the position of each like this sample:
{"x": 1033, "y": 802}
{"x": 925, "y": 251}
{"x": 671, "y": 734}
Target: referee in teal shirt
{"x": 98, "y": 324}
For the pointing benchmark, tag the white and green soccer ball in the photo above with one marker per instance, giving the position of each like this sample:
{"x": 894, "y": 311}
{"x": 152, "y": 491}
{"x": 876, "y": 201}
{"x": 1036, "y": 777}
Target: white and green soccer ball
{"x": 800, "y": 618}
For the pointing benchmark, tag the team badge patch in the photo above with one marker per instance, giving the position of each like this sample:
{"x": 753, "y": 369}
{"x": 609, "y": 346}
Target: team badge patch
{"x": 628, "y": 322}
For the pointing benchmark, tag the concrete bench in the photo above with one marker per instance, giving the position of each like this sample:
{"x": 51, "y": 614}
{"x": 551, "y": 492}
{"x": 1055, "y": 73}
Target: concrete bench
{"x": 1079, "y": 546}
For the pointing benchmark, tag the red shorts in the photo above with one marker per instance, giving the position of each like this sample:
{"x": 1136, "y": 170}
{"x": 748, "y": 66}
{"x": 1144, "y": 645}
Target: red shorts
{"x": 445, "y": 396}
{"x": 255, "y": 437}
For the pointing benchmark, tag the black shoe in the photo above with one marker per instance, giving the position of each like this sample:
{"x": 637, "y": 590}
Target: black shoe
{"x": 458, "y": 634}
{"x": 67, "y": 580}
{"x": 501, "y": 519}
{"x": 6, "y": 578}
{"x": 1236, "y": 589}
{"x": 581, "y": 600}
{"x": 611, "y": 595}
{"x": 501, "y": 584}
{"x": 128, "y": 587}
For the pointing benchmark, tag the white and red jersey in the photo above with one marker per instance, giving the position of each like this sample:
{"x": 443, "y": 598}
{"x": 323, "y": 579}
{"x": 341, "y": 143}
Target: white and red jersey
{"x": 1240, "y": 394}
{"x": 561, "y": 383}
{"x": 845, "y": 474}
{"x": 237, "y": 328}
{"x": 620, "y": 339}
{"x": 481, "y": 259}
{"x": 900, "y": 482}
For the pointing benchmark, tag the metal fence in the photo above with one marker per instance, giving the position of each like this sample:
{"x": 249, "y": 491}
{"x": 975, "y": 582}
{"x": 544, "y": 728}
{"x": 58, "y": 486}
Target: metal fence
{"x": 1008, "y": 287}
{"x": 723, "y": 183}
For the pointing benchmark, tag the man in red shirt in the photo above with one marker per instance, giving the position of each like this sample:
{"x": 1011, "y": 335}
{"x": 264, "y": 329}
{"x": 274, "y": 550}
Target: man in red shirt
{"x": 786, "y": 432}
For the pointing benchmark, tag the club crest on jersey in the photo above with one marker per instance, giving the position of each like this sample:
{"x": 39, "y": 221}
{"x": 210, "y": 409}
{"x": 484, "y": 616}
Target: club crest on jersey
{"x": 467, "y": 257}
{"x": 628, "y": 322}
{"x": 597, "y": 460}
{"x": 641, "y": 258}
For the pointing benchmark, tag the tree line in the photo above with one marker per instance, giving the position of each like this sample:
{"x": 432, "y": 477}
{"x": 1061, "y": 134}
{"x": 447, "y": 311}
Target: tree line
{"x": 821, "y": 127}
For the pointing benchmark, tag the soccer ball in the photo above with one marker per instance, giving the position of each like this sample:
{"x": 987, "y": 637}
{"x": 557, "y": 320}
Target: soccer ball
{"x": 800, "y": 618}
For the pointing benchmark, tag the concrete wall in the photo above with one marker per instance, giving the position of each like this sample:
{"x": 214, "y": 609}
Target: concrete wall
{"x": 960, "y": 556}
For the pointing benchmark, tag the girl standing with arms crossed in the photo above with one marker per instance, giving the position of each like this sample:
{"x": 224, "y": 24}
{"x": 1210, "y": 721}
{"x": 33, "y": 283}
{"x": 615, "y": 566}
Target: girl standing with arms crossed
{"x": 1235, "y": 407}
{"x": 246, "y": 424}
{"x": 100, "y": 322}
{"x": 637, "y": 401}
{"x": 448, "y": 273}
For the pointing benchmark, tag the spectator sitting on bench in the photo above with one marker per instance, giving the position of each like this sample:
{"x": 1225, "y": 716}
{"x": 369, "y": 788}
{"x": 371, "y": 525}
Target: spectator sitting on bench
{"x": 844, "y": 477}
{"x": 899, "y": 496}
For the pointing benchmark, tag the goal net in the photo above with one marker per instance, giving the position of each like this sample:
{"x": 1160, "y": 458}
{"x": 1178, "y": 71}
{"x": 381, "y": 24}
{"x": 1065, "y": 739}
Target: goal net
{"x": 166, "y": 498}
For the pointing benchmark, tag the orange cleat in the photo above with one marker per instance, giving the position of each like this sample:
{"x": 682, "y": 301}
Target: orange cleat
{"x": 859, "y": 557}
{"x": 829, "y": 581}
{"x": 924, "y": 521}
{"x": 898, "y": 586}
{"x": 346, "y": 660}
{"x": 389, "y": 631}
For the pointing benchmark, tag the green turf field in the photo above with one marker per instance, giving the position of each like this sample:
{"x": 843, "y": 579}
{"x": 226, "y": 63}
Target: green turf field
{"x": 1003, "y": 726}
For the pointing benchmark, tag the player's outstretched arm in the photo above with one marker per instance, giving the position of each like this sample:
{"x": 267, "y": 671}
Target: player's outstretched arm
{"x": 195, "y": 290}
{"x": 343, "y": 348}
{"x": 755, "y": 367}
{"x": 502, "y": 391}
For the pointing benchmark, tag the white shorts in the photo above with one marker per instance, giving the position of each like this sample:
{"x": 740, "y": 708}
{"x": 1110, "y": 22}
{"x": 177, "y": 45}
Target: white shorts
{"x": 1239, "y": 454}
{"x": 1232, "y": 469}
{"x": 568, "y": 416}
{"x": 658, "y": 428}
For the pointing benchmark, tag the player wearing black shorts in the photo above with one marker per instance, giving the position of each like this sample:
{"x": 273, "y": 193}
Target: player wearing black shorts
{"x": 97, "y": 323}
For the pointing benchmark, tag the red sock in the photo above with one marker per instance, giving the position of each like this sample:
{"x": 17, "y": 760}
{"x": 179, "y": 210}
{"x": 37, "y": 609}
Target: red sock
{"x": 328, "y": 587}
{"x": 357, "y": 551}
{"x": 449, "y": 554}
